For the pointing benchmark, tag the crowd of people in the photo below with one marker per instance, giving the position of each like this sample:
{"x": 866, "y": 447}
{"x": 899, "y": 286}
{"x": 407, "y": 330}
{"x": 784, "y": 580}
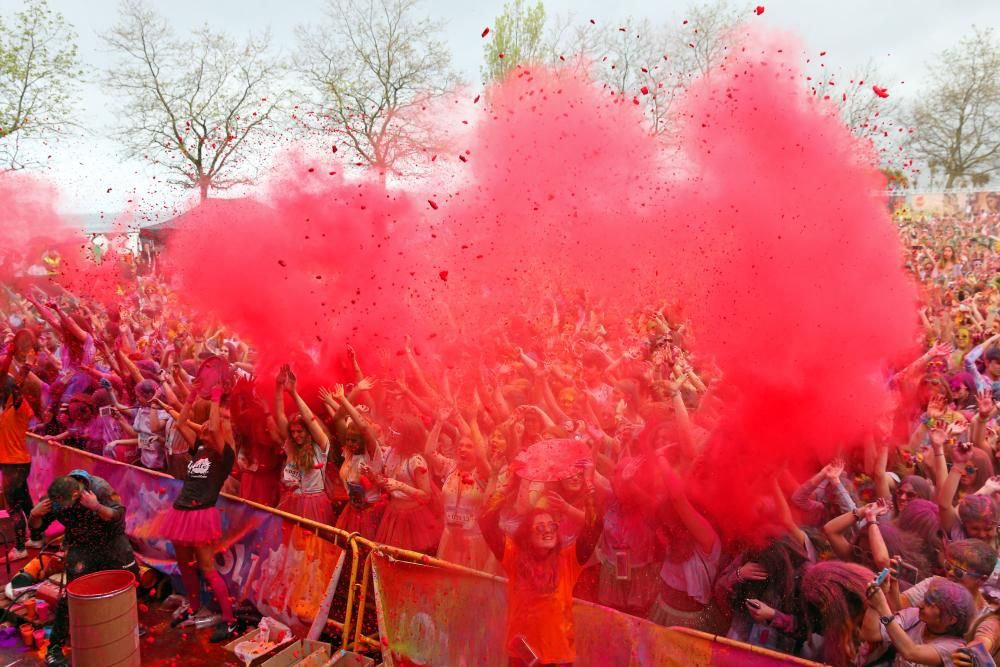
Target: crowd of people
{"x": 885, "y": 556}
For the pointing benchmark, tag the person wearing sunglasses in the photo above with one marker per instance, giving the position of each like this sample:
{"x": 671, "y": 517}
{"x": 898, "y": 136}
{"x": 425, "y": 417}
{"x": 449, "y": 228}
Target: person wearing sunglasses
{"x": 968, "y": 563}
{"x": 541, "y": 574}
{"x": 924, "y": 635}
{"x": 975, "y": 516}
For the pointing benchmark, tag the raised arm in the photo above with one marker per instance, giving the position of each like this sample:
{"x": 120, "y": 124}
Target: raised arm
{"x": 418, "y": 372}
{"x": 431, "y": 446}
{"x": 53, "y": 320}
{"x": 593, "y": 517}
{"x": 878, "y": 606}
{"x": 489, "y": 520}
{"x": 338, "y": 398}
{"x": 785, "y": 514}
{"x": 960, "y": 455}
{"x": 699, "y": 527}
{"x": 280, "y": 419}
{"x": 316, "y": 430}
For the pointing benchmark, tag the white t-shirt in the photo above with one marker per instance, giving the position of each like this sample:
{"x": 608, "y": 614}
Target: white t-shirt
{"x": 909, "y": 620}
{"x": 916, "y": 593}
{"x": 152, "y": 452}
{"x": 696, "y": 575}
{"x": 305, "y": 481}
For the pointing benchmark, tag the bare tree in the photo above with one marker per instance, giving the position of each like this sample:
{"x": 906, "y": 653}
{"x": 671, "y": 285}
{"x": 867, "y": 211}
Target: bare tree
{"x": 193, "y": 105}
{"x": 866, "y": 114}
{"x": 38, "y": 72}
{"x": 957, "y": 121}
{"x": 373, "y": 67}
{"x": 703, "y": 39}
{"x": 643, "y": 63}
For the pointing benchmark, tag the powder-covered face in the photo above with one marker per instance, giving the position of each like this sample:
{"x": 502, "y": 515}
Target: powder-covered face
{"x": 980, "y": 529}
{"x": 298, "y": 433}
{"x": 905, "y": 495}
{"x": 544, "y": 531}
{"x": 466, "y": 452}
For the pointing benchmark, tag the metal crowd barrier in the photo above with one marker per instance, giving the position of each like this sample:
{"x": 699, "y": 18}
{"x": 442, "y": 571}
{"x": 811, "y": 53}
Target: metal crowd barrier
{"x": 351, "y": 627}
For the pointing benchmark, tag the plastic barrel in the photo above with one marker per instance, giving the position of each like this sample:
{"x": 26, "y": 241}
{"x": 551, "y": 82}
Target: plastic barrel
{"x": 103, "y": 620}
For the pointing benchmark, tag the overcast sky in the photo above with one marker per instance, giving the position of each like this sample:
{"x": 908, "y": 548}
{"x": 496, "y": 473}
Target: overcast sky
{"x": 901, "y": 36}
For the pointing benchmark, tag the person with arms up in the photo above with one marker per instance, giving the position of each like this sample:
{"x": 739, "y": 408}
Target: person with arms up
{"x": 541, "y": 574}
{"x": 18, "y": 404}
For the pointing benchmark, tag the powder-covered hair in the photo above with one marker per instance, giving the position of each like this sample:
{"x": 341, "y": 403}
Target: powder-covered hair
{"x": 984, "y": 468}
{"x": 905, "y": 545}
{"x": 920, "y": 517}
{"x": 834, "y": 594}
{"x": 954, "y": 601}
{"x": 975, "y": 555}
{"x": 978, "y": 507}
{"x": 921, "y": 485}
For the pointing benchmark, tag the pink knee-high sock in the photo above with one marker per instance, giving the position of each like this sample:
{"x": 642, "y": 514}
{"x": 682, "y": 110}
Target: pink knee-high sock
{"x": 189, "y": 575}
{"x": 221, "y": 593}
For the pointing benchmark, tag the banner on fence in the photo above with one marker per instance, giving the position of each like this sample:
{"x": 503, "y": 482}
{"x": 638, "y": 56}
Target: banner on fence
{"x": 280, "y": 567}
{"x": 432, "y": 616}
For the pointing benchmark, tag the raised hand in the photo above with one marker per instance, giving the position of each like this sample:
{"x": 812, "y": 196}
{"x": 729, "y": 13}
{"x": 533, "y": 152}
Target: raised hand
{"x": 936, "y": 407}
{"x": 986, "y": 404}
{"x": 961, "y": 453}
{"x": 941, "y": 349}
{"x": 834, "y": 470}
{"x": 327, "y": 397}
{"x": 366, "y": 383}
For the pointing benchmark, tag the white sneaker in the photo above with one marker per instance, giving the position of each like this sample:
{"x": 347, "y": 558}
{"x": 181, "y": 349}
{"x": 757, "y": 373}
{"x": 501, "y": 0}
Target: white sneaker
{"x": 16, "y": 554}
{"x": 34, "y": 544}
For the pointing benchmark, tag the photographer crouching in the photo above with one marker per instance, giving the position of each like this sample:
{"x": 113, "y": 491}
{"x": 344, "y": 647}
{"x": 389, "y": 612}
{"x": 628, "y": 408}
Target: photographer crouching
{"x": 95, "y": 540}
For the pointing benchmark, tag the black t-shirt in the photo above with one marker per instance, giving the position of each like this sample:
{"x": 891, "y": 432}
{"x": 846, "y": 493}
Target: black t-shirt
{"x": 85, "y": 527}
{"x": 206, "y": 474}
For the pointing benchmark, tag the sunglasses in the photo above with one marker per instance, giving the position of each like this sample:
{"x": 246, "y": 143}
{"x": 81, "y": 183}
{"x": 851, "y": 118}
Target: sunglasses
{"x": 906, "y": 495}
{"x": 958, "y": 572}
{"x": 971, "y": 469}
{"x": 547, "y": 528}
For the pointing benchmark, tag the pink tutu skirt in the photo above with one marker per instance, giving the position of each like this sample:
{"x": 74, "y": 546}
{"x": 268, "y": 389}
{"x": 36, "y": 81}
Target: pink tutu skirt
{"x": 363, "y": 522}
{"x": 192, "y": 527}
{"x": 313, "y": 506}
{"x": 260, "y": 487}
{"x": 416, "y": 528}
{"x": 467, "y": 547}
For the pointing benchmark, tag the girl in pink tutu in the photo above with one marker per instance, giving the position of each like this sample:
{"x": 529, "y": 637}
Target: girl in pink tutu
{"x": 463, "y": 493}
{"x": 194, "y": 524}
{"x": 409, "y": 521}
{"x": 363, "y": 511}
{"x": 306, "y": 447}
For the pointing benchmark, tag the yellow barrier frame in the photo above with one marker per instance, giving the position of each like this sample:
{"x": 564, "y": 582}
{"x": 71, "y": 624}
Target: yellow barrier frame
{"x": 359, "y": 590}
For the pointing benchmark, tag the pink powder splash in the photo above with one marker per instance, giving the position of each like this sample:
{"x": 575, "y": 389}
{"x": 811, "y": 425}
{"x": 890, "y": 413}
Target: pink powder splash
{"x": 760, "y": 218}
